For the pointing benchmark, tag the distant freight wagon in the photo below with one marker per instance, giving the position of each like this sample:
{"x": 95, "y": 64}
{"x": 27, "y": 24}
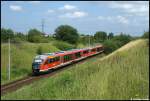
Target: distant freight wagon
{"x": 48, "y": 61}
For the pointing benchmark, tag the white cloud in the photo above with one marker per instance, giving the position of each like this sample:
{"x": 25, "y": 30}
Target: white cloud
{"x": 138, "y": 8}
{"x": 76, "y": 14}
{"x": 50, "y": 11}
{"x": 34, "y": 2}
{"x": 119, "y": 19}
{"x": 122, "y": 19}
{"x": 105, "y": 17}
{"x": 132, "y": 7}
{"x": 100, "y": 17}
{"x": 68, "y": 7}
{"x": 15, "y": 8}
{"x": 19, "y": 1}
{"x": 79, "y": 14}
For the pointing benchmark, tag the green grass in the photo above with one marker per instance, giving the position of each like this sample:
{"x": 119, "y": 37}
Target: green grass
{"x": 63, "y": 45}
{"x": 123, "y": 74}
{"x": 22, "y": 55}
{"x": 21, "y": 58}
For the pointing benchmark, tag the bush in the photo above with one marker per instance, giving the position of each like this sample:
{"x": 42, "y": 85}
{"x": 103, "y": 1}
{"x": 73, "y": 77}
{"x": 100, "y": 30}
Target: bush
{"x": 146, "y": 35}
{"x": 110, "y": 46}
{"x": 39, "y": 50}
{"x": 122, "y": 39}
{"x": 17, "y": 40}
{"x": 63, "y": 45}
{"x": 116, "y": 42}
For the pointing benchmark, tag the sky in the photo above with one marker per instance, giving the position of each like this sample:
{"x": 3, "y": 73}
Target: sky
{"x": 88, "y": 17}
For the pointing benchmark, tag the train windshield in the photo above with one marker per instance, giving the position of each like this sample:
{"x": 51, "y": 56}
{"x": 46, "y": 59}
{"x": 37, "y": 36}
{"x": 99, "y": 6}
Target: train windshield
{"x": 39, "y": 59}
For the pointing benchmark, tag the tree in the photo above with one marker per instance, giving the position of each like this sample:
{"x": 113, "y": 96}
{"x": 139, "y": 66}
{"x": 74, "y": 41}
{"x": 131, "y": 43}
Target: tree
{"x": 110, "y": 35}
{"x": 6, "y": 34}
{"x": 122, "y": 39}
{"x": 116, "y": 42}
{"x": 146, "y": 34}
{"x": 67, "y": 33}
{"x": 100, "y": 36}
{"x": 34, "y": 35}
{"x": 110, "y": 46}
{"x": 20, "y": 35}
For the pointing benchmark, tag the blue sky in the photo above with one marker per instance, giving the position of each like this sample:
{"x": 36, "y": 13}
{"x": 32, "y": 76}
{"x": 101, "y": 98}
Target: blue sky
{"x": 130, "y": 17}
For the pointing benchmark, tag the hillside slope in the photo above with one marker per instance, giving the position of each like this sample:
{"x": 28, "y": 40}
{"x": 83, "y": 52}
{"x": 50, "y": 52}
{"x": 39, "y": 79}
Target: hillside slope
{"x": 123, "y": 74}
{"x": 21, "y": 58}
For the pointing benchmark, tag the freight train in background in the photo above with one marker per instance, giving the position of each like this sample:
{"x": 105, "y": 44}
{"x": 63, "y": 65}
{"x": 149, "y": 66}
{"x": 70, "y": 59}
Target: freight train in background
{"x": 49, "y": 61}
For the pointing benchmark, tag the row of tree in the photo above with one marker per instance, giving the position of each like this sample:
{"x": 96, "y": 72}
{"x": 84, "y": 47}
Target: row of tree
{"x": 70, "y": 35}
{"x": 33, "y": 35}
{"x": 64, "y": 32}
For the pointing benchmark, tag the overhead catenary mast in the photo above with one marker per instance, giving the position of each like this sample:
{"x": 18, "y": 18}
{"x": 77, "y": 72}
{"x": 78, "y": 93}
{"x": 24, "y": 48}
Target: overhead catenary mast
{"x": 89, "y": 40}
{"x": 43, "y": 23}
{"x": 9, "y": 60}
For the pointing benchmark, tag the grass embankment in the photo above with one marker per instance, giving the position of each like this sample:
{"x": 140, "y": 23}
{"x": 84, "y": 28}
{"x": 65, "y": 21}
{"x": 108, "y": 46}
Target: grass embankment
{"x": 123, "y": 74}
{"x": 22, "y": 55}
{"x": 21, "y": 58}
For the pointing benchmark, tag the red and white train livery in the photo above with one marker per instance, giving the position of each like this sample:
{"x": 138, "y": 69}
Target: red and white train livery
{"x": 49, "y": 61}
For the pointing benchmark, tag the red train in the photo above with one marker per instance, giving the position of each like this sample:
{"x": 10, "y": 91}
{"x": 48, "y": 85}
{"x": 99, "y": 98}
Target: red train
{"x": 49, "y": 61}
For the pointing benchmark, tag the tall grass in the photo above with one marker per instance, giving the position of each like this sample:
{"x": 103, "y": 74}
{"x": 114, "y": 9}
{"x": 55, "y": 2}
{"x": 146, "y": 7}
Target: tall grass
{"x": 122, "y": 75}
{"x": 22, "y": 55}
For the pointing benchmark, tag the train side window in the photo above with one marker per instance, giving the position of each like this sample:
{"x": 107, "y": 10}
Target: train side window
{"x": 50, "y": 60}
{"x": 53, "y": 60}
{"x": 57, "y": 58}
{"x": 85, "y": 52}
{"x": 67, "y": 57}
{"x": 78, "y": 55}
{"x": 98, "y": 49}
{"x": 93, "y": 50}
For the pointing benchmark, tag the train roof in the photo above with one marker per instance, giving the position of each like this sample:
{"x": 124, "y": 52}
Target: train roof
{"x": 48, "y": 54}
{"x": 59, "y": 53}
{"x": 67, "y": 52}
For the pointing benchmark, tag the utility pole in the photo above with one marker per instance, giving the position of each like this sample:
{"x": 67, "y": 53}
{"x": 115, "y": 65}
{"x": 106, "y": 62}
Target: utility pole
{"x": 43, "y": 26}
{"x": 9, "y": 60}
{"x": 89, "y": 40}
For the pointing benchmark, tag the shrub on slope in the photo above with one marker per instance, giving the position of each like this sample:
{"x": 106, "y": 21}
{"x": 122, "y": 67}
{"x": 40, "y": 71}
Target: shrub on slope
{"x": 22, "y": 55}
{"x": 123, "y": 74}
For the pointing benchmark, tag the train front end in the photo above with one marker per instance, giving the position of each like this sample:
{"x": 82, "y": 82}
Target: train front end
{"x": 37, "y": 62}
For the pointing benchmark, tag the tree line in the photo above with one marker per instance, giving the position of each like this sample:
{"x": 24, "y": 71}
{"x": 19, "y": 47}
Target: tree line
{"x": 71, "y": 35}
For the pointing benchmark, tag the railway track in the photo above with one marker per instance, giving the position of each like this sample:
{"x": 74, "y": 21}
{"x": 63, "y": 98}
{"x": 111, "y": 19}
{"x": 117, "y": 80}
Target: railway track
{"x": 12, "y": 86}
